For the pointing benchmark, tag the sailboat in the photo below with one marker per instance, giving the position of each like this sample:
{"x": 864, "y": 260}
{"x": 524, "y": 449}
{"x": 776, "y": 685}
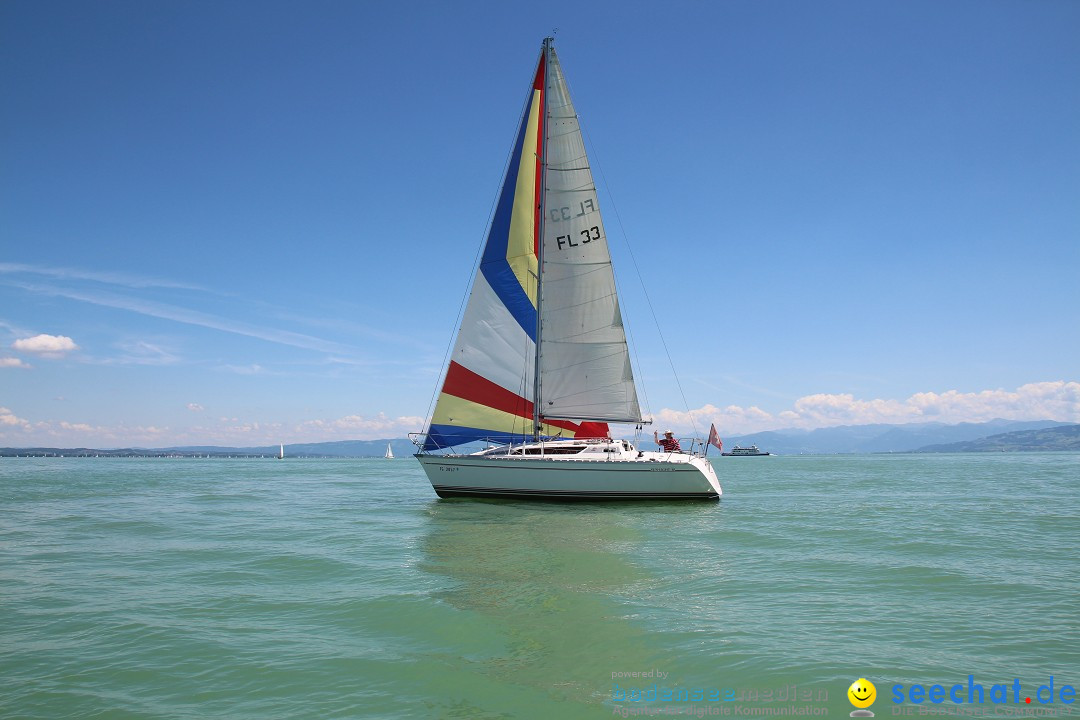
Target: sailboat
{"x": 389, "y": 453}
{"x": 540, "y": 366}
{"x": 281, "y": 453}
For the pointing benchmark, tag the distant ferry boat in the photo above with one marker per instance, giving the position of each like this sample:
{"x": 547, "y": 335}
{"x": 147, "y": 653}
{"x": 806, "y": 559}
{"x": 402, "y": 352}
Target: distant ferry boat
{"x": 752, "y": 450}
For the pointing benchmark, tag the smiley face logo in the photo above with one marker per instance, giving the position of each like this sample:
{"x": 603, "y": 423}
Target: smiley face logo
{"x": 862, "y": 693}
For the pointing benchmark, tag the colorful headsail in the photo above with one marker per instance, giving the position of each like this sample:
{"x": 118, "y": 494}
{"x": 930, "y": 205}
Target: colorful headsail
{"x": 487, "y": 393}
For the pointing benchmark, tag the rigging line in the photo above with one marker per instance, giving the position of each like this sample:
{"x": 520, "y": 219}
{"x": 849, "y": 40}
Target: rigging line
{"x": 475, "y": 265}
{"x": 637, "y": 360}
{"x": 525, "y": 386}
{"x": 641, "y": 280}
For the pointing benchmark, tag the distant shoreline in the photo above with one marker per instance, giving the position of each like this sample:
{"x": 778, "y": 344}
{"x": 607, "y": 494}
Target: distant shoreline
{"x": 923, "y": 438}
{"x": 163, "y": 454}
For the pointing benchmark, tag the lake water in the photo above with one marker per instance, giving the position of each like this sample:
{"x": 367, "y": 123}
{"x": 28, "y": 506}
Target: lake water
{"x": 215, "y": 588}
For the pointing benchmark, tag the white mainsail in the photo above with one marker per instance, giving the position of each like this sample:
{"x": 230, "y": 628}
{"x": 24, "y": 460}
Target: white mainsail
{"x": 585, "y": 371}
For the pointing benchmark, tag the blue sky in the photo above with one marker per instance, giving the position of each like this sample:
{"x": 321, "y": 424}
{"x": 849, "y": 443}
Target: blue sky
{"x": 252, "y": 222}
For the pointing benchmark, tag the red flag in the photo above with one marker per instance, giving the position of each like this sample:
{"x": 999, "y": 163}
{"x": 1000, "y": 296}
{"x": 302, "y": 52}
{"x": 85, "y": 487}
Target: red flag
{"x": 714, "y": 438}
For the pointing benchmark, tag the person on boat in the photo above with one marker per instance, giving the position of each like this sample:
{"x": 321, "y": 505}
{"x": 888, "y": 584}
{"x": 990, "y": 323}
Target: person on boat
{"x": 668, "y": 442}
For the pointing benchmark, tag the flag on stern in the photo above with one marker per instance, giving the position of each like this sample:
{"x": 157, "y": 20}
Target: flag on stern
{"x": 714, "y": 438}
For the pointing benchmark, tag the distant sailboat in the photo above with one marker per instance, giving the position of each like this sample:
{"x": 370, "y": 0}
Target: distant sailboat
{"x": 281, "y": 453}
{"x": 389, "y": 453}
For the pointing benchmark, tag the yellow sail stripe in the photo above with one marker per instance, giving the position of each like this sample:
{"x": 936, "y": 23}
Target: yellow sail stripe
{"x": 452, "y": 410}
{"x": 520, "y": 245}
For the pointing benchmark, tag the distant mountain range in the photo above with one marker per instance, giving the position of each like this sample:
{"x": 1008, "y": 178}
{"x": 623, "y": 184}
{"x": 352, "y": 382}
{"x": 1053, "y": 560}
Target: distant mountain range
{"x": 345, "y": 448}
{"x": 913, "y": 437}
{"x": 1065, "y": 437}
{"x": 994, "y": 435}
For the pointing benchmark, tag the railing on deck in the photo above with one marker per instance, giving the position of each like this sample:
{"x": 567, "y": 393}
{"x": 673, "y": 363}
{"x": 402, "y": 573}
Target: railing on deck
{"x": 693, "y": 446}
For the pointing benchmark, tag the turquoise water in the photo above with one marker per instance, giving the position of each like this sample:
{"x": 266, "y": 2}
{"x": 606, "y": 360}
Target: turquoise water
{"x": 186, "y": 588}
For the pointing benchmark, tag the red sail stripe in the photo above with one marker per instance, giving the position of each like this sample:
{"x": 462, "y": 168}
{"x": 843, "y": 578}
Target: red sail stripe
{"x": 538, "y": 84}
{"x": 467, "y": 385}
{"x": 589, "y": 429}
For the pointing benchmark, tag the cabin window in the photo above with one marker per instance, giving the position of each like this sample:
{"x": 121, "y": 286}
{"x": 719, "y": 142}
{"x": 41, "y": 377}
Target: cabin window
{"x": 572, "y": 450}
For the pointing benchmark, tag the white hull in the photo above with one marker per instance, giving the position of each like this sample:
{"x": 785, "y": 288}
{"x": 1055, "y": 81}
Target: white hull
{"x": 653, "y": 476}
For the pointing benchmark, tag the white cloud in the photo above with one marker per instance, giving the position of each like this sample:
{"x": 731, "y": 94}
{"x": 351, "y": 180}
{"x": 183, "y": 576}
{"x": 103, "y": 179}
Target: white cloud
{"x": 225, "y": 431}
{"x": 9, "y": 419}
{"x": 12, "y": 362}
{"x": 252, "y": 369}
{"x": 358, "y": 427}
{"x": 140, "y": 352}
{"x": 46, "y": 345}
{"x": 1058, "y": 400}
{"x": 111, "y": 278}
{"x": 78, "y": 427}
{"x": 190, "y": 317}
{"x": 233, "y": 431}
{"x": 18, "y": 432}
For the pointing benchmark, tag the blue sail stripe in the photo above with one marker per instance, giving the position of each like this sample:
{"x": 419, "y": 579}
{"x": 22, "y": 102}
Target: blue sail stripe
{"x": 444, "y": 436}
{"x": 494, "y": 265}
{"x": 506, "y": 286}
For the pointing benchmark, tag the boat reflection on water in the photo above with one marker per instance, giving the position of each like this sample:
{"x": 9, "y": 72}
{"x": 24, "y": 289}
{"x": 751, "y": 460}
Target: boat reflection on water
{"x": 545, "y": 580}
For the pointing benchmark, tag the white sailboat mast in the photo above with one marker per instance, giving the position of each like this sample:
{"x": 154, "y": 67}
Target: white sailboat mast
{"x": 537, "y": 404}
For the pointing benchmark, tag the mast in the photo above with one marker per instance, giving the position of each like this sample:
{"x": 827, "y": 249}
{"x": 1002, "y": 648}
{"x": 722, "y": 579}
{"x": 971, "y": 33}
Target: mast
{"x": 537, "y": 405}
